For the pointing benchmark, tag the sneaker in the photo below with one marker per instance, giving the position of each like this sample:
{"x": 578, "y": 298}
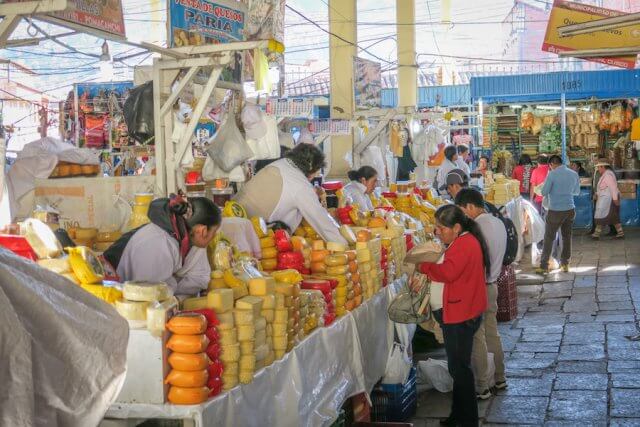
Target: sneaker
{"x": 484, "y": 395}
{"x": 501, "y": 385}
{"x": 542, "y": 271}
{"x": 564, "y": 268}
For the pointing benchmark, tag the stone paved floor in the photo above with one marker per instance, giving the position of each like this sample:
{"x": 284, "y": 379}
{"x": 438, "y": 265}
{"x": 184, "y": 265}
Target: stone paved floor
{"x": 567, "y": 359}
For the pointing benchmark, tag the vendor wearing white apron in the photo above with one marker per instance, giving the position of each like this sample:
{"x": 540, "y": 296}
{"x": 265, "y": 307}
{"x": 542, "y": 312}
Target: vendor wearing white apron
{"x": 283, "y": 192}
{"x": 172, "y": 248}
{"x": 607, "y": 200}
{"x": 363, "y": 182}
{"x": 448, "y": 164}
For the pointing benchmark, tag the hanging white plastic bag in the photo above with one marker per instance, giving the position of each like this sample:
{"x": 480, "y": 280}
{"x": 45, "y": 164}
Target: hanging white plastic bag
{"x": 267, "y": 147}
{"x": 211, "y": 171}
{"x": 229, "y": 149}
{"x": 398, "y": 366}
{"x": 435, "y": 374}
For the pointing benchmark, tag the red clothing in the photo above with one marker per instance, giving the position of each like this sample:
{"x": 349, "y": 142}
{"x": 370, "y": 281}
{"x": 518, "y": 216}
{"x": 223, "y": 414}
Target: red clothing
{"x": 523, "y": 174}
{"x": 538, "y": 176}
{"x": 462, "y": 272}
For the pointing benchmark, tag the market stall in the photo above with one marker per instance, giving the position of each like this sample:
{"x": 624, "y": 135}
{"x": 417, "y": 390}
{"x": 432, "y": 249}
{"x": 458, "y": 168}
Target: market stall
{"x": 582, "y": 116}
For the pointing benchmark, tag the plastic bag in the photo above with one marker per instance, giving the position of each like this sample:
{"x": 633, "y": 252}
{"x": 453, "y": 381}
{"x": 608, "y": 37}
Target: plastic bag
{"x": 398, "y": 366}
{"x": 267, "y": 147}
{"x": 211, "y": 171}
{"x": 138, "y": 113}
{"x": 435, "y": 374}
{"x": 229, "y": 149}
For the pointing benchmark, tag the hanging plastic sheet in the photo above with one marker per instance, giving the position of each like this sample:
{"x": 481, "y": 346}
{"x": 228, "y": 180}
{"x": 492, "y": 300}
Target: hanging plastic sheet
{"x": 63, "y": 350}
{"x": 138, "y": 113}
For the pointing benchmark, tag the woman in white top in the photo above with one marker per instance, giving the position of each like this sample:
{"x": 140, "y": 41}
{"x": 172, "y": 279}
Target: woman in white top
{"x": 283, "y": 192}
{"x": 172, "y": 247}
{"x": 448, "y": 164}
{"x": 363, "y": 182}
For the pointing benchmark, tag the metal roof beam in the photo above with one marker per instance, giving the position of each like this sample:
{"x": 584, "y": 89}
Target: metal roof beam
{"x": 599, "y": 25}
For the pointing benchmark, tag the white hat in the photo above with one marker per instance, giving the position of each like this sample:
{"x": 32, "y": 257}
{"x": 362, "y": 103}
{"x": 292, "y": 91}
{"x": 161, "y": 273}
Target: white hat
{"x": 253, "y": 121}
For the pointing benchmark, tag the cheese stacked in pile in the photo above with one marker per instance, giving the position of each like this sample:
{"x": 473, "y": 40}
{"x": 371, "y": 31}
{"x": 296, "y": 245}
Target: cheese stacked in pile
{"x": 355, "y": 278}
{"x": 265, "y": 289}
{"x": 368, "y": 256}
{"x": 337, "y": 267}
{"x": 252, "y": 336}
{"x": 221, "y": 301}
{"x": 286, "y": 320}
{"x": 313, "y": 303}
{"x": 269, "y": 260}
{"x": 136, "y": 298}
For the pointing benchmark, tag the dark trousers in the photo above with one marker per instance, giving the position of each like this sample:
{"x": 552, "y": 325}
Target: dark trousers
{"x": 558, "y": 220}
{"x": 458, "y": 342}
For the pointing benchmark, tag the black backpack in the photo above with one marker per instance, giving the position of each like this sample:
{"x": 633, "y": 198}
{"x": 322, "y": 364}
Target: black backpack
{"x": 512, "y": 234}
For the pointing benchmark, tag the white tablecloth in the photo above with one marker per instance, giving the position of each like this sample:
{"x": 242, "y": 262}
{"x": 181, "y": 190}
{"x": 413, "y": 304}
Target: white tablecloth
{"x": 305, "y": 388}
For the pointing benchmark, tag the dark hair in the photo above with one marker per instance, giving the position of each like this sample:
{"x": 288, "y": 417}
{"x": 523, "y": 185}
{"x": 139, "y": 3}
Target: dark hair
{"x": 485, "y": 157}
{"x": 366, "y": 172}
{"x": 469, "y": 196}
{"x": 578, "y": 163}
{"x": 450, "y": 215}
{"x": 450, "y": 151}
{"x": 202, "y": 212}
{"x": 308, "y": 158}
{"x": 555, "y": 159}
{"x": 543, "y": 159}
{"x": 462, "y": 148}
{"x": 525, "y": 159}
{"x": 261, "y": 164}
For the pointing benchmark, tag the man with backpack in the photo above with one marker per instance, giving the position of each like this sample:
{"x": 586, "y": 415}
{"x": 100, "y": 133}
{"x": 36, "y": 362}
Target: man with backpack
{"x": 487, "y": 338}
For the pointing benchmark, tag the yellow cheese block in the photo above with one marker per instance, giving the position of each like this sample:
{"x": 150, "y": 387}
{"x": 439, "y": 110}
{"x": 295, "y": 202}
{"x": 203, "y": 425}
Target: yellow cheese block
{"x": 250, "y": 303}
{"x": 260, "y": 338}
{"x": 145, "y": 291}
{"x": 268, "y": 301}
{"x": 281, "y": 316}
{"x": 269, "y": 315}
{"x": 267, "y": 242}
{"x": 262, "y": 352}
{"x": 231, "y": 368}
{"x": 243, "y": 317}
{"x": 286, "y": 289}
{"x": 279, "y": 354}
{"x": 248, "y": 362}
{"x": 245, "y": 377}
{"x": 239, "y": 287}
{"x": 246, "y": 332}
{"x": 336, "y": 259}
{"x": 260, "y": 323}
{"x": 158, "y": 313}
{"x": 132, "y": 310}
{"x": 262, "y": 286}
{"x": 229, "y": 381}
{"x": 279, "y": 329}
{"x": 269, "y": 264}
{"x": 269, "y": 253}
{"x": 57, "y": 265}
{"x": 230, "y": 353}
{"x": 217, "y": 284}
{"x": 246, "y": 348}
{"x": 362, "y": 245}
{"x": 338, "y": 270}
{"x": 280, "y": 342}
{"x": 364, "y": 255}
{"x": 280, "y": 301}
{"x": 196, "y": 303}
{"x": 226, "y": 318}
{"x": 336, "y": 247}
{"x": 220, "y": 300}
{"x": 228, "y": 337}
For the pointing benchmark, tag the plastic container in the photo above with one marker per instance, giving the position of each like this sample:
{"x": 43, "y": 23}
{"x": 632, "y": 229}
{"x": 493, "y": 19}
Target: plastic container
{"x": 18, "y": 245}
{"x": 395, "y": 402}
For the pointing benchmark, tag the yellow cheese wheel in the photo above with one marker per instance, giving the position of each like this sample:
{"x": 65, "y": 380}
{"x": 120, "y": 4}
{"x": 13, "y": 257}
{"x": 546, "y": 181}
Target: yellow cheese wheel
{"x": 336, "y": 260}
{"x": 132, "y": 310}
{"x": 188, "y": 362}
{"x": 269, "y": 253}
{"x": 267, "y": 242}
{"x": 230, "y": 353}
{"x": 248, "y": 362}
{"x": 287, "y": 276}
{"x": 187, "y": 395}
{"x": 280, "y": 342}
{"x": 188, "y": 343}
{"x": 337, "y": 271}
{"x": 341, "y": 292}
{"x": 246, "y": 348}
{"x": 279, "y": 329}
{"x": 229, "y": 381}
{"x": 318, "y": 255}
{"x": 246, "y": 332}
{"x": 145, "y": 291}
{"x": 228, "y": 337}
{"x": 187, "y": 378}
{"x": 281, "y": 316}
{"x": 245, "y": 377}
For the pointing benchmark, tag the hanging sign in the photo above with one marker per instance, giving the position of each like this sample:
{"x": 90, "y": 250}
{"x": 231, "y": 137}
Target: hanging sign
{"x": 194, "y": 23}
{"x": 102, "y": 15}
{"x": 290, "y": 107}
{"x": 367, "y": 83}
{"x": 568, "y": 13}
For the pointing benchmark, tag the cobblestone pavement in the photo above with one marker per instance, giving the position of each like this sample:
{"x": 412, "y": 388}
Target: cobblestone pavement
{"x": 568, "y": 361}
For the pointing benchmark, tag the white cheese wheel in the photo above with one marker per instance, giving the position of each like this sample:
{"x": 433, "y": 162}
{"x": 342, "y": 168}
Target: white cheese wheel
{"x": 146, "y": 291}
{"x": 132, "y": 310}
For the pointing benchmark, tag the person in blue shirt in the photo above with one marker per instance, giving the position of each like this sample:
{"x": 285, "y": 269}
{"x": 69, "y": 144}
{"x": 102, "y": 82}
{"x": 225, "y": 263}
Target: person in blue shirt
{"x": 561, "y": 185}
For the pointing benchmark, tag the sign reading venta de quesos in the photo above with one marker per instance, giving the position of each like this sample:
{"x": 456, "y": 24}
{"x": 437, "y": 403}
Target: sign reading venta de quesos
{"x": 199, "y": 22}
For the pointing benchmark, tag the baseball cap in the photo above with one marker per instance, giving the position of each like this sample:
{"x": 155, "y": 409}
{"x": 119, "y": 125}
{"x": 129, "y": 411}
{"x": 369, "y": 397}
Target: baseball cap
{"x": 455, "y": 176}
{"x": 253, "y": 121}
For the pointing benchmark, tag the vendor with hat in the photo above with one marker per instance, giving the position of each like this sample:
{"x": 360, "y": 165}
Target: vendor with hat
{"x": 607, "y": 195}
{"x": 454, "y": 181}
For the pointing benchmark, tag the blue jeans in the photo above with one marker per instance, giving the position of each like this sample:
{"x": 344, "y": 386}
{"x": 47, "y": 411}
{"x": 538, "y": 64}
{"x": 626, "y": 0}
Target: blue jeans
{"x": 458, "y": 342}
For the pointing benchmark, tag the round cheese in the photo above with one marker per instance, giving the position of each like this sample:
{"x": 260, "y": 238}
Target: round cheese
{"x": 230, "y": 368}
{"x": 132, "y": 310}
{"x": 146, "y": 291}
{"x": 248, "y": 362}
{"x": 336, "y": 260}
{"x": 338, "y": 270}
{"x": 336, "y": 247}
{"x": 229, "y": 381}
{"x": 230, "y": 353}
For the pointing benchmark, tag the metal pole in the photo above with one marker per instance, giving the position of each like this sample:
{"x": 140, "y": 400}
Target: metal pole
{"x": 563, "y": 125}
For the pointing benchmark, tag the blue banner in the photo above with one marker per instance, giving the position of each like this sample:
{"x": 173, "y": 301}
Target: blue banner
{"x": 200, "y": 22}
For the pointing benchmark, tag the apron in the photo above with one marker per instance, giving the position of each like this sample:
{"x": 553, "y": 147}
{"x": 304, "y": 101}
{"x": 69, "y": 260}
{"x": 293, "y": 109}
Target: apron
{"x": 603, "y": 203}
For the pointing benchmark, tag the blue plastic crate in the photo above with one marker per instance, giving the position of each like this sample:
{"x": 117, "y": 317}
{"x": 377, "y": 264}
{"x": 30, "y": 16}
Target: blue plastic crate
{"x": 395, "y": 402}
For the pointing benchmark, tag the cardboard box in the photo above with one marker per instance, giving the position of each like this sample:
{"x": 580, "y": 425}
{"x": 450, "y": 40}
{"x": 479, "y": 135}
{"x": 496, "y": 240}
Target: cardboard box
{"x": 627, "y": 186}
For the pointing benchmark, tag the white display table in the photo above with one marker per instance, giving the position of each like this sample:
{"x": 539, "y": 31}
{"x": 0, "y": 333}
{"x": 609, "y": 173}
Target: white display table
{"x": 305, "y": 388}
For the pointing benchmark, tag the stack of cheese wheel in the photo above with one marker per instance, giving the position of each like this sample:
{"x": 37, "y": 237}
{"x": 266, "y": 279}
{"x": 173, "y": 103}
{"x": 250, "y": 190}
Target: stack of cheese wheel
{"x": 318, "y": 255}
{"x": 252, "y": 335}
{"x": 264, "y": 288}
{"x": 221, "y": 301}
{"x": 286, "y": 322}
{"x": 217, "y": 281}
{"x": 301, "y": 245}
{"x": 136, "y": 297}
{"x": 337, "y": 263}
{"x": 288, "y": 285}
{"x": 388, "y": 264}
{"x": 188, "y": 344}
{"x": 355, "y": 277}
{"x": 367, "y": 268}
{"x": 269, "y": 260}
{"x": 314, "y": 301}
{"x": 327, "y": 290}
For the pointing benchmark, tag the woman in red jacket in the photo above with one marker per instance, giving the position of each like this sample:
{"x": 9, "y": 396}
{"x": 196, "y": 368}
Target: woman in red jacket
{"x": 463, "y": 273}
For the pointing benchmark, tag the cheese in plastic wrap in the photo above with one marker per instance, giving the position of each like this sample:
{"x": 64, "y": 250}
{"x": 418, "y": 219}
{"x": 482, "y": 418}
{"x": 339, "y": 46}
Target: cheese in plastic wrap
{"x": 42, "y": 240}
{"x": 134, "y": 311}
{"x": 158, "y": 313}
{"x": 105, "y": 293}
{"x": 146, "y": 291}
{"x": 85, "y": 265}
